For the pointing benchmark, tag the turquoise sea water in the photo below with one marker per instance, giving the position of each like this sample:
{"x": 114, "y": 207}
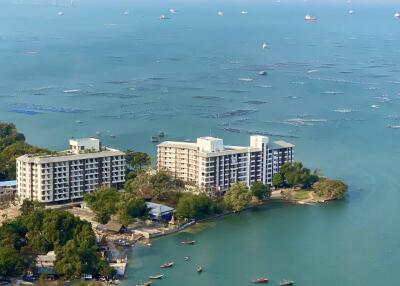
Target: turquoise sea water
{"x": 135, "y": 75}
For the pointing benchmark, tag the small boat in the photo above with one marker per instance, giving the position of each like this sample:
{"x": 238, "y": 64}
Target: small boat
{"x": 375, "y": 106}
{"x": 264, "y": 46}
{"x": 160, "y": 133}
{"x": 244, "y": 12}
{"x": 199, "y": 269}
{"x": 163, "y": 17}
{"x": 186, "y": 258}
{"x": 190, "y": 242}
{"x": 146, "y": 283}
{"x": 167, "y": 265}
{"x": 260, "y": 280}
{"x": 60, "y": 13}
{"x": 148, "y": 244}
{"x": 154, "y": 139}
{"x": 397, "y": 15}
{"x": 154, "y": 277}
{"x": 78, "y": 121}
{"x": 220, "y": 13}
{"x": 126, "y": 12}
{"x": 98, "y": 133}
{"x": 112, "y": 136}
{"x": 351, "y": 12}
{"x": 262, "y": 73}
{"x": 172, "y": 11}
{"x": 310, "y": 18}
{"x": 286, "y": 283}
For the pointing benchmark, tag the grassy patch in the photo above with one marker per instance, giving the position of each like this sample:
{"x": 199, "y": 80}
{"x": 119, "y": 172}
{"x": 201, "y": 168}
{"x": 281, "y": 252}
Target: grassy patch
{"x": 300, "y": 195}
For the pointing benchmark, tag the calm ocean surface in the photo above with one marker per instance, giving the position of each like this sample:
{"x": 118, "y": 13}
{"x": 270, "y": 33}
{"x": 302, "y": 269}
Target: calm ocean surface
{"x": 195, "y": 74}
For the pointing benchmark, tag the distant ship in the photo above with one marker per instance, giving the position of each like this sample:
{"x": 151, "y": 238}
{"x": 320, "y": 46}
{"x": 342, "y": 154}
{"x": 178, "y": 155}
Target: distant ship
{"x": 310, "y": 18}
{"x": 126, "y": 12}
{"x": 264, "y": 46}
{"x": 60, "y": 13}
{"x": 351, "y": 12}
{"x": 397, "y": 15}
{"x": 163, "y": 17}
{"x": 220, "y": 13}
{"x": 244, "y": 12}
{"x": 172, "y": 10}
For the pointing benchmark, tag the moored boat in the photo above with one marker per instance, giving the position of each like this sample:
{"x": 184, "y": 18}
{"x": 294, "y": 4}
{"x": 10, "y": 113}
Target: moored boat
{"x": 146, "y": 283}
{"x": 260, "y": 280}
{"x": 154, "y": 139}
{"x": 199, "y": 269}
{"x": 160, "y": 276}
{"x": 167, "y": 265}
{"x": 262, "y": 73}
{"x": 189, "y": 242}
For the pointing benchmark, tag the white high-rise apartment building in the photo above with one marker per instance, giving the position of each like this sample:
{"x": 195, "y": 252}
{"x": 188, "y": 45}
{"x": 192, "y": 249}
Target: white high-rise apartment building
{"x": 213, "y": 167}
{"x": 66, "y": 176}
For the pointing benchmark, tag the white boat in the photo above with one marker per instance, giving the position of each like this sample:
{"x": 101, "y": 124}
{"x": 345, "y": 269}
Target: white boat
{"x": 244, "y": 12}
{"x": 163, "y": 17}
{"x": 71, "y": 91}
{"x": 397, "y": 15}
{"x": 310, "y": 18}
{"x": 172, "y": 10}
{"x": 376, "y": 106}
{"x": 126, "y": 12}
{"x": 220, "y": 13}
{"x": 262, "y": 72}
{"x": 60, "y": 13}
{"x": 394, "y": 126}
{"x": 265, "y": 46}
{"x": 351, "y": 12}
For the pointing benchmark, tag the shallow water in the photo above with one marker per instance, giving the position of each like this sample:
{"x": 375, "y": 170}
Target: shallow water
{"x": 95, "y": 69}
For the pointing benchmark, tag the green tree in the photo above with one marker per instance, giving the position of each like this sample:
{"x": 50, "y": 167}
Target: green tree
{"x": 136, "y": 162}
{"x": 130, "y": 207}
{"x": 277, "y": 180}
{"x": 238, "y": 197}
{"x": 29, "y": 206}
{"x": 11, "y": 262}
{"x": 330, "y": 189}
{"x": 260, "y": 191}
{"x": 68, "y": 262}
{"x": 103, "y": 203}
{"x": 193, "y": 206}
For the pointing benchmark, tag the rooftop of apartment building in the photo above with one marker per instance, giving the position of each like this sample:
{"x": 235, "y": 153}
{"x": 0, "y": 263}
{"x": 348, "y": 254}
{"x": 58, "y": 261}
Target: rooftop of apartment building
{"x": 80, "y": 148}
{"x": 210, "y": 144}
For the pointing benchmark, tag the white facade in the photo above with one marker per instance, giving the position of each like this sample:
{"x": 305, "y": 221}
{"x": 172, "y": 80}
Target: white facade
{"x": 212, "y": 166}
{"x": 67, "y": 176}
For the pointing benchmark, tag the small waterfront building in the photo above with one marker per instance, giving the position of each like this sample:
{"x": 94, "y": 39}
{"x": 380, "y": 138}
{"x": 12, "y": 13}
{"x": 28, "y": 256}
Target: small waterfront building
{"x": 8, "y": 191}
{"x": 115, "y": 227}
{"x": 212, "y": 166}
{"x": 66, "y": 176}
{"x": 45, "y": 263}
{"x": 159, "y": 211}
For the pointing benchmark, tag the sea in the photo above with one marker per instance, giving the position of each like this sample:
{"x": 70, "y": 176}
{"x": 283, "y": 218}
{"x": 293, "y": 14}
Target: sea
{"x": 113, "y": 69}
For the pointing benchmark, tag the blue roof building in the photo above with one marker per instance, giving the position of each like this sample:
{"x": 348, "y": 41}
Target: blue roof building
{"x": 160, "y": 212}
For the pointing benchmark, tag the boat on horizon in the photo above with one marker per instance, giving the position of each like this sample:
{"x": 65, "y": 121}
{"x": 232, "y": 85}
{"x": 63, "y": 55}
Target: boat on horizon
{"x": 156, "y": 277}
{"x": 261, "y": 280}
{"x": 167, "y": 265}
{"x": 189, "y": 242}
{"x": 310, "y": 18}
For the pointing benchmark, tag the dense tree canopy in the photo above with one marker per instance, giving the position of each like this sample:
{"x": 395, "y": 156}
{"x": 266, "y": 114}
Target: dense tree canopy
{"x": 106, "y": 202}
{"x": 136, "y": 162}
{"x": 38, "y": 231}
{"x": 194, "y": 206}
{"x": 238, "y": 197}
{"x": 12, "y": 145}
{"x": 330, "y": 189}
{"x": 294, "y": 174}
{"x": 260, "y": 191}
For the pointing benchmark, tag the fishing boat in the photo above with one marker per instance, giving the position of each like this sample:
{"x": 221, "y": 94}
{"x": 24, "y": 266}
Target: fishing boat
{"x": 126, "y": 12}
{"x": 262, "y": 73}
{"x": 167, "y": 265}
{"x": 244, "y": 12}
{"x": 154, "y": 139}
{"x": 264, "y": 45}
{"x": 160, "y": 133}
{"x": 154, "y": 277}
{"x": 190, "y": 242}
{"x": 286, "y": 283}
{"x": 199, "y": 269}
{"x": 186, "y": 258}
{"x": 172, "y": 10}
{"x": 163, "y": 17}
{"x": 260, "y": 280}
{"x": 60, "y": 13}
{"x": 397, "y": 15}
{"x": 220, "y": 13}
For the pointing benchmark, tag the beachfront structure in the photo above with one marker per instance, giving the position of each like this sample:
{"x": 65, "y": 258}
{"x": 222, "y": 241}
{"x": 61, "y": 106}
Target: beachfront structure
{"x": 66, "y": 176}
{"x": 212, "y": 166}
